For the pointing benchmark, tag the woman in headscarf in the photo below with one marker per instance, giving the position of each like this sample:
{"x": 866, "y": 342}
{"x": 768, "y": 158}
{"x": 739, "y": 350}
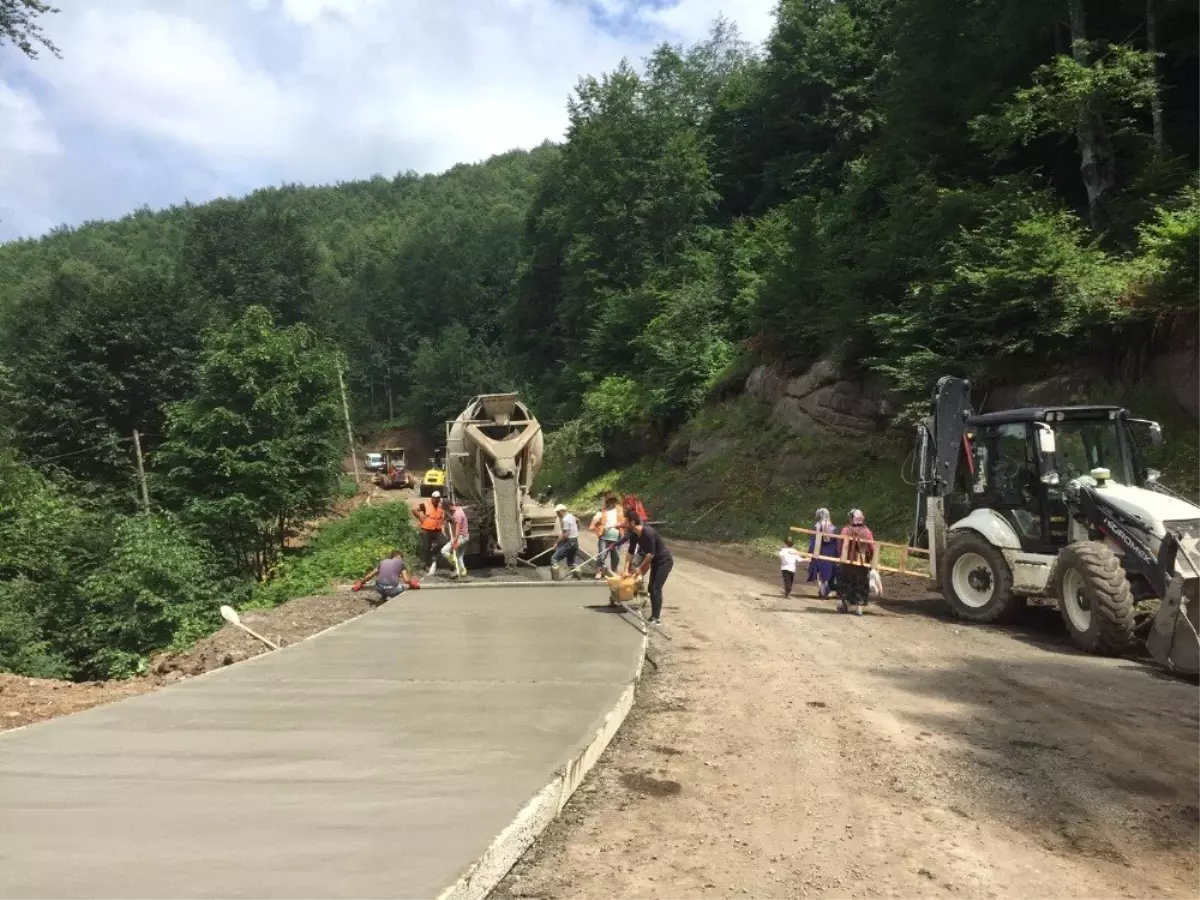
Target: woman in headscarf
{"x": 823, "y": 543}
{"x": 858, "y": 553}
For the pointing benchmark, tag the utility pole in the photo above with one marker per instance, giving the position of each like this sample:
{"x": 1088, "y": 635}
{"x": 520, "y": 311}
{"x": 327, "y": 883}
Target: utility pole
{"x": 349, "y": 429}
{"x": 137, "y": 450}
{"x": 391, "y": 405}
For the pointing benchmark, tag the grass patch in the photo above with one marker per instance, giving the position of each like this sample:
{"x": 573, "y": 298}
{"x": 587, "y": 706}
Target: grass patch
{"x": 757, "y": 480}
{"x": 340, "y": 550}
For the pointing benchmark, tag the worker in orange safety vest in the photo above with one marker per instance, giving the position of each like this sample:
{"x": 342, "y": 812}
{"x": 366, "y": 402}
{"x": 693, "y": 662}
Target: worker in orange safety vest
{"x": 609, "y": 527}
{"x": 432, "y": 522}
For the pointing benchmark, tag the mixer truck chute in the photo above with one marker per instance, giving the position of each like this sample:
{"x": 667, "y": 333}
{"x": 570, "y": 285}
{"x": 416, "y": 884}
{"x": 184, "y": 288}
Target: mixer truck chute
{"x": 493, "y": 454}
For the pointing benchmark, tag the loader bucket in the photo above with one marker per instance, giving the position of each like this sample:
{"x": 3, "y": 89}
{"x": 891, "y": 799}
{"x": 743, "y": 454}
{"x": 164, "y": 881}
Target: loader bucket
{"x": 1173, "y": 642}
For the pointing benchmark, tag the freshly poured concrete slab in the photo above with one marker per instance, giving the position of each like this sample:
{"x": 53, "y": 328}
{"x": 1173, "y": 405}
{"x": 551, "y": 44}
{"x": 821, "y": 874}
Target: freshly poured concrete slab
{"x": 379, "y": 759}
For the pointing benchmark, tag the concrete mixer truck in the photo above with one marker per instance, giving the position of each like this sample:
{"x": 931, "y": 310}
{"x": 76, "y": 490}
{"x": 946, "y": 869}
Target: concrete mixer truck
{"x": 493, "y": 454}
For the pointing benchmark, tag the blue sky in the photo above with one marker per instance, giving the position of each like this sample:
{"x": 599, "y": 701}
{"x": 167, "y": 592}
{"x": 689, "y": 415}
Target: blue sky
{"x": 158, "y": 101}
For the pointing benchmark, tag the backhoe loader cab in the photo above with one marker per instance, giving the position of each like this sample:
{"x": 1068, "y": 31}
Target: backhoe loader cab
{"x": 1057, "y": 503}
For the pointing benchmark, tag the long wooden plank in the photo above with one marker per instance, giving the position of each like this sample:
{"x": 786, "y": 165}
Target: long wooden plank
{"x": 904, "y": 550}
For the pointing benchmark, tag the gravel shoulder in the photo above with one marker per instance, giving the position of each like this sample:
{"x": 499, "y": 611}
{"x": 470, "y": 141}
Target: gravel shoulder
{"x": 779, "y": 749}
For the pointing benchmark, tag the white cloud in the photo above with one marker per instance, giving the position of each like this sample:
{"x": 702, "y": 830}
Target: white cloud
{"x": 29, "y": 150}
{"x": 690, "y": 19}
{"x": 154, "y": 99}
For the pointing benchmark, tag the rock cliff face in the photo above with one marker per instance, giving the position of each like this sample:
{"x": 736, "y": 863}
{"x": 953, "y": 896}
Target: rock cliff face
{"x": 821, "y": 401}
{"x": 1178, "y": 373}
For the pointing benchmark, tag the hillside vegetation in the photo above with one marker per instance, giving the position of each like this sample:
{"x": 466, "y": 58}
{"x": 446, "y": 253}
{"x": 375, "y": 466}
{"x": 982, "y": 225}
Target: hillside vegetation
{"x": 909, "y": 187}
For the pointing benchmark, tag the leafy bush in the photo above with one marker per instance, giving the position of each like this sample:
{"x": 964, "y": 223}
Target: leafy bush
{"x": 159, "y": 587}
{"x": 1015, "y": 285}
{"x": 341, "y": 550}
{"x": 256, "y": 450}
{"x": 1170, "y": 242}
{"x": 24, "y": 648}
{"x": 347, "y": 487}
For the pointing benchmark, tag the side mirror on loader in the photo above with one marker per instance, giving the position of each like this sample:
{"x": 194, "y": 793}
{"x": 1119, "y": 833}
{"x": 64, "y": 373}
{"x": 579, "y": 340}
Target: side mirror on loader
{"x": 1046, "y": 450}
{"x": 1156, "y": 436}
{"x": 1154, "y": 429}
{"x": 1046, "y": 443}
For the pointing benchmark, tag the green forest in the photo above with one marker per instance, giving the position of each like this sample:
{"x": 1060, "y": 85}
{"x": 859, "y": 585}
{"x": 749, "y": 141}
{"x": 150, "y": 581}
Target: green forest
{"x": 911, "y": 188}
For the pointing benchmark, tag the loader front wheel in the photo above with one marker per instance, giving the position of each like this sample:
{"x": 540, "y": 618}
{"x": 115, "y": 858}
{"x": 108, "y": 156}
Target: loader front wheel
{"x": 1094, "y": 598}
{"x": 976, "y": 580}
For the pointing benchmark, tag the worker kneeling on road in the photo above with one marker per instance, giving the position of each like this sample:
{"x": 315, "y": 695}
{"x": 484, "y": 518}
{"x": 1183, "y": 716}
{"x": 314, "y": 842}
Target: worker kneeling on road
{"x": 568, "y": 537}
{"x": 656, "y": 559}
{"x": 433, "y": 523}
{"x": 391, "y": 577}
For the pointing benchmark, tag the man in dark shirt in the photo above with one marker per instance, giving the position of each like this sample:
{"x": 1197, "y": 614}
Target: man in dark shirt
{"x": 391, "y": 577}
{"x": 656, "y": 559}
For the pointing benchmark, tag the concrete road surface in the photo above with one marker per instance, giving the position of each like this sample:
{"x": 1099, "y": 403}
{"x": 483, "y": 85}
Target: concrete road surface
{"x": 379, "y": 759}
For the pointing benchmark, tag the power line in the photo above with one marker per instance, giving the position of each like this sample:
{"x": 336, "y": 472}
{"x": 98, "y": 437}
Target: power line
{"x": 113, "y": 440}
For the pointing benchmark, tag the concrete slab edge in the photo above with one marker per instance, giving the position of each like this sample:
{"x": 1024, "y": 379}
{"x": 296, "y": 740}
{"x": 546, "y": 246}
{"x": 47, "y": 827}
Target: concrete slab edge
{"x": 510, "y": 845}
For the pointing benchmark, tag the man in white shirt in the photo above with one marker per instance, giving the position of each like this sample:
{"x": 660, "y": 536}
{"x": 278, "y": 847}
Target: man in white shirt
{"x": 568, "y": 537}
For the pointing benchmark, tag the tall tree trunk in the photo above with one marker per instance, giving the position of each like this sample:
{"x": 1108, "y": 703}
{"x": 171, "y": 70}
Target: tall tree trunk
{"x": 1097, "y": 162}
{"x": 1156, "y": 110}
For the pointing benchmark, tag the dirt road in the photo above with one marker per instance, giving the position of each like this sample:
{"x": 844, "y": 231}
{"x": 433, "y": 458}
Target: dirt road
{"x": 782, "y": 750}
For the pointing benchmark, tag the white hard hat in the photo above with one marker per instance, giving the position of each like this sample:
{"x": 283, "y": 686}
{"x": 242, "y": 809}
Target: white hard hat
{"x": 560, "y": 508}
{"x": 436, "y": 495}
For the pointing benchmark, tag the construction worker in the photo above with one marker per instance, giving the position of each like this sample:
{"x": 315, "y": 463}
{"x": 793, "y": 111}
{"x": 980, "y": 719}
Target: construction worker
{"x": 456, "y": 548}
{"x": 656, "y": 559}
{"x": 432, "y": 523}
{"x": 568, "y": 537}
{"x": 608, "y": 525}
{"x": 391, "y": 577}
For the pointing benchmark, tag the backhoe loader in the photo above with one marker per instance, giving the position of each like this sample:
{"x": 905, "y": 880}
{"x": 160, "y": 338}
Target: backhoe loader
{"x": 1055, "y": 504}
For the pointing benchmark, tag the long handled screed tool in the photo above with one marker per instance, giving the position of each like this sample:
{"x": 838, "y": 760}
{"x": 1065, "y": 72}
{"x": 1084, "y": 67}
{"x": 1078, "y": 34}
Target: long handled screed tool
{"x": 621, "y": 542}
{"x": 229, "y": 614}
{"x": 577, "y": 568}
{"x": 529, "y": 562}
{"x": 614, "y": 587}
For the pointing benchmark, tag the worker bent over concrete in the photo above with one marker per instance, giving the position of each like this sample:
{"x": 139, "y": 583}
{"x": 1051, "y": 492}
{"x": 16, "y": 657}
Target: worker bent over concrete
{"x": 656, "y": 559}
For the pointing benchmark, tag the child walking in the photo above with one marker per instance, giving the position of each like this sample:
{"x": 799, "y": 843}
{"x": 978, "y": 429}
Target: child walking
{"x": 789, "y": 556}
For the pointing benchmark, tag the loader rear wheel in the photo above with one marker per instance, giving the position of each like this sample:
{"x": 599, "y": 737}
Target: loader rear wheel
{"x": 976, "y": 580}
{"x": 1094, "y": 598}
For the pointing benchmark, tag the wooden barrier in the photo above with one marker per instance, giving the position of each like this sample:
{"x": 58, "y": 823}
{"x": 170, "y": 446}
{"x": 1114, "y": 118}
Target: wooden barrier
{"x": 906, "y": 554}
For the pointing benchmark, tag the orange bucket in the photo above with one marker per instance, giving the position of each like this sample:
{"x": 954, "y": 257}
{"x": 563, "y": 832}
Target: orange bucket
{"x": 622, "y": 588}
